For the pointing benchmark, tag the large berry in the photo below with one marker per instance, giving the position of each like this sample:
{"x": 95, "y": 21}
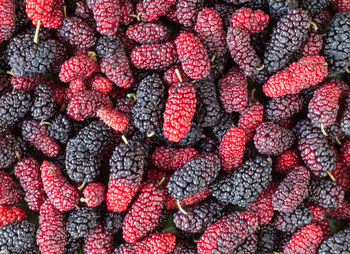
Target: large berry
{"x": 231, "y": 149}
{"x": 84, "y": 150}
{"x": 208, "y": 105}
{"x": 286, "y": 39}
{"x": 194, "y": 177}
{"x": 305, "y": 241}
{"x": 144, "y": 212}
{"x": 79, "y": 66}
{"x": 52, "y": 233}
{"x": 147, "y": 33}
{"x": 315, "y": 150}
{"x": 210, "y": 31}
{"x": 61, "y": 193}
{"x": 107, "y": 16}
{"x": 36, "y": 133}
{"x": 242, "y": 52}
{"x": 127, "y": 165}
{"x": 78, "y": 33}
{"x": 233, "y": 91}
{"x": 150, "y": 104}
{"x": 156, "y": 56}
{"x": 179, "y": 110}
{"x": 227, "y": 233}
{"x": 193, "y": 56}
{"x": 245, "y": 184}
{"x": 292, "y": 190}
{"x": 323, "y": 107}
{"x": 28, "y": 173}
{"x": 246, "y": 18}
{"x": 307, "y": 72}
{"x": 271, "y": 139}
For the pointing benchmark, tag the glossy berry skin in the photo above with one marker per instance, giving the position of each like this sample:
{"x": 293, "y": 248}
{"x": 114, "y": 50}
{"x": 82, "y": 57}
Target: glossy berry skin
{"x": 307, "y": 72}
{"x": 305, "y": 241}
{"x": 292, "y": 190}
{"x": 193, "y": 56}
{"x": 36, "y": 134}
{"x": 80, "y": 66}
{"x": 227, "y": 233}
{"x": 323, "y": 107}
{"x": 100, "y": 241}
{"x": 7, "y": 19}
{"x": 94, "y": 194}
{"x": 231, "y": 149}
{"x": 62, "y": 195}
{"x": 156, "y": 56}
{"x": 186, "y": 12}
{"x": 52, "y": 234}
{"x": 144, "y": 212}
{"x": 11, "y": 213}
{"x": 289, "y": 222}
{"x": 147, "y": 33}
{"x": 107, "y": 16}
{"x": 282, "y": 108}
{"x": 336, "y": 243}
{"x": 28, "y": 173}
{"x": 113, "y": 118}
{"x": 210, "y": 31}
{"x": 179, "y": 110}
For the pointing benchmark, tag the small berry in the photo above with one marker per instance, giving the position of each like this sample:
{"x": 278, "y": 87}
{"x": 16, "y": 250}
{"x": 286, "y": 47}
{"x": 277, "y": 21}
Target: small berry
{"x": 107, "y": 16}
{"x": 113, "y": 118}
{"x": 253, "y": 21}
{"x": 94, "y": 194}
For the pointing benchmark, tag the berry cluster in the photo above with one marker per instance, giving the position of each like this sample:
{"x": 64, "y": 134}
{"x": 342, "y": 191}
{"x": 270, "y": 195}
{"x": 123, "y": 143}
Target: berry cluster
{"x": 174, "y": 126}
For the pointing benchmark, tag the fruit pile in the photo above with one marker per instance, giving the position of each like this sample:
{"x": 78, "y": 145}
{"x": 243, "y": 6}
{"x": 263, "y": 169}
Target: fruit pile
{"x": 174, "y": 126}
